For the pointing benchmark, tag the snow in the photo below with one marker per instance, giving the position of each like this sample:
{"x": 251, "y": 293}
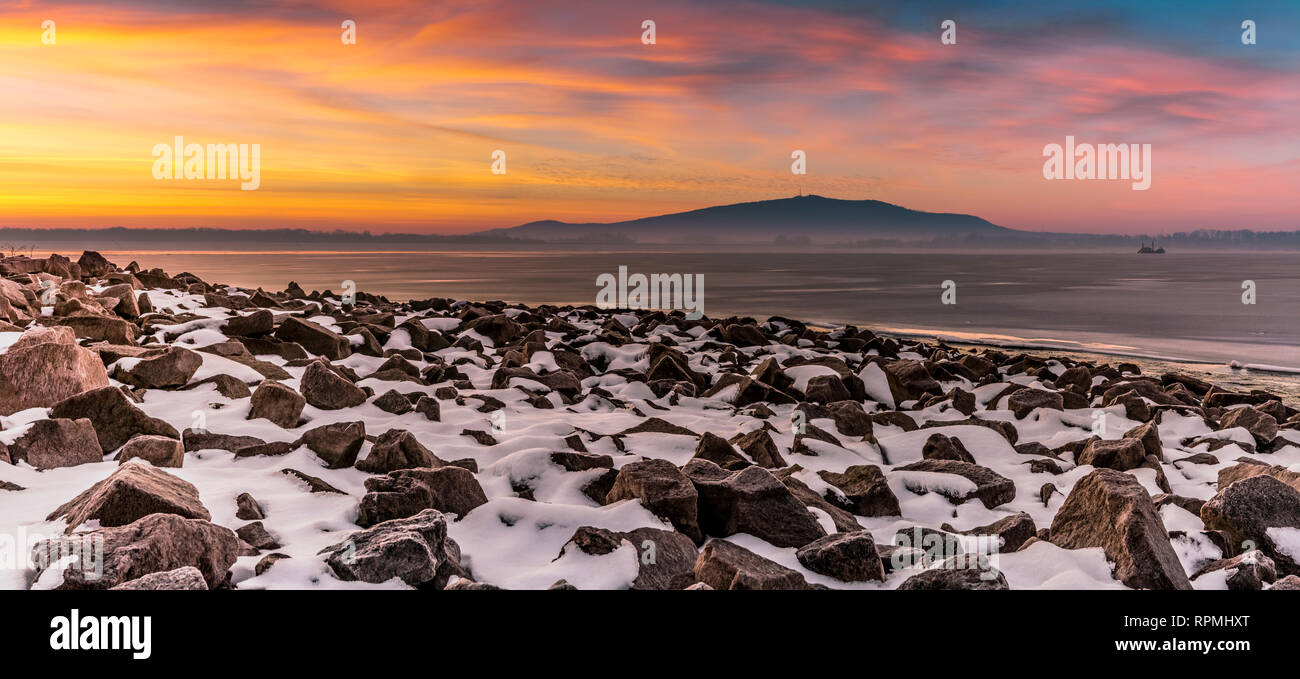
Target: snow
{"x": 516, "y": 543}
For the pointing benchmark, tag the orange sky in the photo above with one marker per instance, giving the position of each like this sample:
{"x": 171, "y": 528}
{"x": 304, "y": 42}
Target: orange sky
{"x": 396, "y": 132}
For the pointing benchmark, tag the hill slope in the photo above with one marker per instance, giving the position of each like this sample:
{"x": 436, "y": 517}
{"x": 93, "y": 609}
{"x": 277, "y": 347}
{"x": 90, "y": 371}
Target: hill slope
{"x": 804, "y": 217}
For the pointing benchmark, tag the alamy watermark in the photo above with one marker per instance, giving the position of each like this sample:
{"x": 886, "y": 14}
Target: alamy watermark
{"x": 655, "y": 291}
{"x": 25, "y": 551}
{"x": 213, "y": 161}
{"x": 935, "y": 549}
{"x": 1103, "y": 161}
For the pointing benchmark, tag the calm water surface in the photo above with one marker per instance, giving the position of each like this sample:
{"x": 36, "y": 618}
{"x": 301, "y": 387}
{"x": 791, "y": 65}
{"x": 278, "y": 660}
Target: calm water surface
{"x": 1175, "y": 307}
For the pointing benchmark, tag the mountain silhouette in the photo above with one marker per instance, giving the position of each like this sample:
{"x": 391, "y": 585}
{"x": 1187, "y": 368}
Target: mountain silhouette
{"x": 788, "y": 219}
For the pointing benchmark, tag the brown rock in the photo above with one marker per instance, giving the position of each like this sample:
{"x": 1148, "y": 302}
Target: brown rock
{"x": 1118, "y": 454}
{"x": 277, "y": 403}
{"x": 1025, "y": 401}
{"x": 760, "y": 447}
{"x": 154, "y": 544}
{"x": 1110, "y": 509}
{"x": 991, "y": 488}
{"x": 173, "y": 367}
{"x": 258, "y": 323}
{"x": 133, "y": 491}
{"x": 1149, "y": 435}
{"x": 1246, "y": 511}
{"x": 397, "y": 449}
{"x": 314, "y": 484}
{"x": 717, "y": 450}
{"x": 850, "y": 557}
{"x": 1245, "y": 470}
{"x": 663, "y": 490}
{"x": 161, "y": 451}
{"x": 865, "y": 489}
{"x": 407, "y": 492}
{"x": 184, "y": 578}
{"x": 1013, "y": 531}
{"x": 325, "y": 389}
{"x": 246, "y": 508}
{"x": 256, "y": 535}
{"x": 726, "y": 565}
{"x": 752, "y": 501}
{"x": 58, "y": 442}
{"x": 416, "y": 550}
{"x": 940, "y": 447}
{"x": 115, "y": 418}
{"x": 44, "y": 367}
{"x": 314, "y": 338}
{"x": 1261, "y": 425}
{"x": 959, "y": 572}
{"x": 337, "y": 443}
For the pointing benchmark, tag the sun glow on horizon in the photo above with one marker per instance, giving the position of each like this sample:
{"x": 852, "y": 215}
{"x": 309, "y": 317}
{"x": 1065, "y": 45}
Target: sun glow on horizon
{"x": 396, "y": 132}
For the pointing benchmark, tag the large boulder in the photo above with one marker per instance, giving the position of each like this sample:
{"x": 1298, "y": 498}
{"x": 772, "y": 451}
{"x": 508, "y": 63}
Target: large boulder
{"x": 97, "y": 328}
{"x": 127, "y": 305}
{"x": 726, "y": 565}
{"x": 184, "y": 578}
{"x": 843, "y": 519}
{"x": 1251, "y": 512}
{"x": 1245, "y": 470}
{"x": 1250, "y": 570}
{"x": 44, "y": 367}
{"x": 206, "y": 440}
{"x": 134, "y": 490}
{"x": 1012, "y": 531}
{"x": 337, "y": 443}
{"x": 662, "y": 489}
{"x": 314, "y": 338}
{"x": 851, "y": 557}
{"x": 865, "y": 491}
{"x": 1110, "y": 509}
{"x": 1024, "y": 401}
{"x": 156, "y": 543}
{"x": 161, "y": 451}
{"x": 1149, "y": 435}
{"x": 397, "y": 449}
{"x": 1260, "y": 424}
{"x": 115, "y": 418}
{"x": 909, "y": 380}
{"x": 750, "y": 500}
{"x": 991, "y": 488}
{"x": 277, "y": 403}
{"x": 172, "y": 367}
{"x": 499, "y": 328}
{"x": 941, "y": 447}
{"x": 825, "y": 389}
{"x": 325, "y": 389}
{"x": 959, "y": 572}
{"x": 407, "y": 492}
{"x": 1118, "y": 454}
{"x": 760, "y": 447}
{"x": 719, "y": 451}
{"x": 665, "y": 558}
{"x": 93, "y": 264}
{"x": 260, "y": 322}
{"x": 58, "y": 442}
{"x": 416, "y": 550}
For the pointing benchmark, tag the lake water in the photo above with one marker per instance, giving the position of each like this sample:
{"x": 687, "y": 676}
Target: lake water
{"x": 1175, "y": 307}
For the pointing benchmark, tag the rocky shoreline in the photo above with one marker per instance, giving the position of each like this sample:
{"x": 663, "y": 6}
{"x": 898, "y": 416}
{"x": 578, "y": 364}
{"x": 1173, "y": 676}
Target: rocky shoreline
{"x": 202, "y": 436}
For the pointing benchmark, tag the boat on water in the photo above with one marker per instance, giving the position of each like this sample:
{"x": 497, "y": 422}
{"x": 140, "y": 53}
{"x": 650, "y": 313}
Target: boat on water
{"x": 1150, "y": 249}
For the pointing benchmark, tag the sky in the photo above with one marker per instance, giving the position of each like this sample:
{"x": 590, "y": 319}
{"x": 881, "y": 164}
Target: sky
{"x": 396, "y": 132}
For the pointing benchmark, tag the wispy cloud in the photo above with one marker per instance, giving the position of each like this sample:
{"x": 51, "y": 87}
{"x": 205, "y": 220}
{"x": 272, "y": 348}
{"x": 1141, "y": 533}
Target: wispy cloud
{"x": 396, "y": 132}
